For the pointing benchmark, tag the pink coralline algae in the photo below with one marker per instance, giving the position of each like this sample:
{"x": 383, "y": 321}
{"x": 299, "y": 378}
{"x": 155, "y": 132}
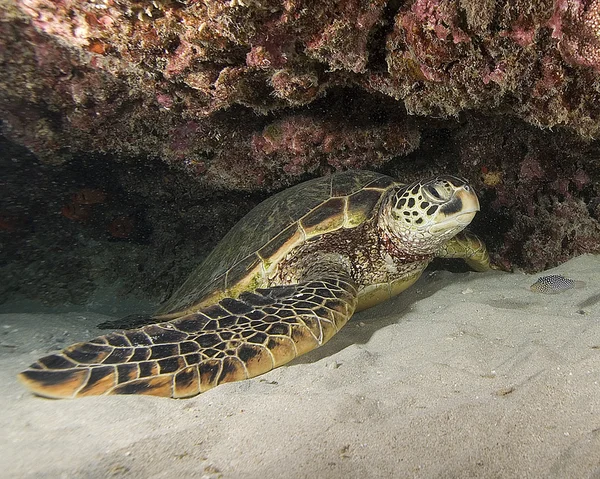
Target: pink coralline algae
{"x": 342, "y": 40}
{"x": 128, "y": 77}
{"x": 295, "y": 87}
{"x": 576, "y": 24}
{"x": 305, "y": 144}
{"x": 522, "y": 32}
{"x": 426, "y": 39}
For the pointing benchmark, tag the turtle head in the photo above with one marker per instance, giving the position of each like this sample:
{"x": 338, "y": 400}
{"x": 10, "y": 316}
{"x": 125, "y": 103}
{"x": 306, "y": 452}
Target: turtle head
{"x": 422, "y": 216}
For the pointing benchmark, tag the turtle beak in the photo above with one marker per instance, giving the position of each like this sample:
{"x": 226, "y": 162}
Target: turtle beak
{"x": 459, "y": 211}
{"x": 470, "y": 205}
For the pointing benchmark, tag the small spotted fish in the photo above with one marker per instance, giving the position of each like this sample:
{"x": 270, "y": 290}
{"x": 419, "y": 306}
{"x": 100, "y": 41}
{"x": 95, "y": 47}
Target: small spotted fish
{"x": 554, "y": 284}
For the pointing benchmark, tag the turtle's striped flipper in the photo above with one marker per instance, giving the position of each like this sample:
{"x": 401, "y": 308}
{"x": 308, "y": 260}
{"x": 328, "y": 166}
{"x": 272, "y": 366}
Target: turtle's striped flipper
{"x": 469, "y": 247}
{"x": 233, "y": 340}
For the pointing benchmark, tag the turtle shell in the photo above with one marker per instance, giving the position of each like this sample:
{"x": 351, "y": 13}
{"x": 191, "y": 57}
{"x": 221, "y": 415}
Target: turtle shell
{"x": 249, "y": 253}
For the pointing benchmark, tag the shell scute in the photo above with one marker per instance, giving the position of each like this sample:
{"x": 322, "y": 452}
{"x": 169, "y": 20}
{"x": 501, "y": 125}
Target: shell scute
{"x": 325, "y": 218}
{"x": 361, "y": 206}
{"x": 247, "y": 270}
{"x": 250, "y": 252}
{"x": 278, "y": 247}
{"x": 344, "y": 184}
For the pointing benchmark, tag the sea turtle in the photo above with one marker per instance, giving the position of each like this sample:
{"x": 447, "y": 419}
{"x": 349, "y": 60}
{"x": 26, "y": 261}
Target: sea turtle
{"x": 282, "y": 282}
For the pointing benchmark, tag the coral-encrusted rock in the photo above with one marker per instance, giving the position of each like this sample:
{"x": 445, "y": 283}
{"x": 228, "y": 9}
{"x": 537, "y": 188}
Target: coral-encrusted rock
{"x": 304, "y": 144}
{"x": 576, "y": 24}
{"x": 542, "y": 192}
{"x": 129, "y": 76}
{"x": 513, "y": 56}
{"x": 151, "y": 78}
{"x": 255, "y": 95}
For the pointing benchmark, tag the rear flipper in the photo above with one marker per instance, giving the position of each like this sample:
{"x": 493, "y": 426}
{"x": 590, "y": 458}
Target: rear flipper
{"x": 233, "y": 340}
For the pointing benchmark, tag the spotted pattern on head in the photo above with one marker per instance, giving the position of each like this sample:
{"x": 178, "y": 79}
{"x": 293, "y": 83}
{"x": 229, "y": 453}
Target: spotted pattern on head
{"x": 420, "y": 201}
{"x": 426, "y": 213}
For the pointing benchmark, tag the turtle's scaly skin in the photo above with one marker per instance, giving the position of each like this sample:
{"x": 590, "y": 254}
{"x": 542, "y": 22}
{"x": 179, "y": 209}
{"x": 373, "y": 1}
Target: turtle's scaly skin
{"x": 280, "y": 284}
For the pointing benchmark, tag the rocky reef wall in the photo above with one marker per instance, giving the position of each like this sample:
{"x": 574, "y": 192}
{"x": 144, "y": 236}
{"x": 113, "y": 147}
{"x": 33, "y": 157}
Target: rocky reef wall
{"x": 208, "y": 106}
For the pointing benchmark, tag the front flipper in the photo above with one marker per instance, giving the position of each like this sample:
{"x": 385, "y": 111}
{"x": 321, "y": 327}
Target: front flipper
{"x": 469, "y": 247}
{"x": 232, "y": 340}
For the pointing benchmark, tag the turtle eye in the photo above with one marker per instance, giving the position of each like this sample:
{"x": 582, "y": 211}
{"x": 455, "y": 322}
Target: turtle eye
{"x": 433, "y": 192}
{"x": 437, "y": 192}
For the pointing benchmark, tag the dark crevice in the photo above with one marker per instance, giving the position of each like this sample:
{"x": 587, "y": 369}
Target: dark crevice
{"x": 377, "y": 39}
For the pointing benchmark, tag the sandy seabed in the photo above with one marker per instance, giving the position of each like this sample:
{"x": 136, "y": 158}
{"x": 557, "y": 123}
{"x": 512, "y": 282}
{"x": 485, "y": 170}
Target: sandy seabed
{"x": 463, "y": 375}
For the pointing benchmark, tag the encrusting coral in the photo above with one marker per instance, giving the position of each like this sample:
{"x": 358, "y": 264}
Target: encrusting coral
{"x": 128, "y": 76}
